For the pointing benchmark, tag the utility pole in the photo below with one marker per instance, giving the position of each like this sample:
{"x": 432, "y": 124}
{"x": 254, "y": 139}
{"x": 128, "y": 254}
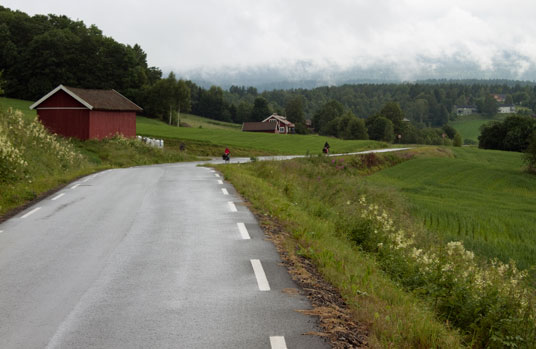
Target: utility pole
{"x": 169, "y": 115}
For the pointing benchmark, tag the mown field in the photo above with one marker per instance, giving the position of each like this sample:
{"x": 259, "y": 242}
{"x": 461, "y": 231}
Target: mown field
{"x": 19, "y": 104}
{"x": 469, "y": 125}
{"x": 269, "y": 143}
{"x": 480, "y": 197}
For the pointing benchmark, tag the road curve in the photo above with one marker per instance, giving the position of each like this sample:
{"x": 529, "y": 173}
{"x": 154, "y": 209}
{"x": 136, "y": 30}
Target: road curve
{"x": 162, "y": 256}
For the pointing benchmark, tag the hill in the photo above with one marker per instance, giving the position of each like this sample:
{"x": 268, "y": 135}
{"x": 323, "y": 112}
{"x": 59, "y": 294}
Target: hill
{"x": 469, "y": 125}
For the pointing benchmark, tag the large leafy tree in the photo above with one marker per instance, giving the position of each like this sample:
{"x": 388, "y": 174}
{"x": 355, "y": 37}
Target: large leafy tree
{"x": 261, "y": 109}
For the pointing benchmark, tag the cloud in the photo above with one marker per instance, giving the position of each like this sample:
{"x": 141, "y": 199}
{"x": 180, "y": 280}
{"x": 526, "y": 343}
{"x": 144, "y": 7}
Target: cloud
{"x": 408, "y": 35}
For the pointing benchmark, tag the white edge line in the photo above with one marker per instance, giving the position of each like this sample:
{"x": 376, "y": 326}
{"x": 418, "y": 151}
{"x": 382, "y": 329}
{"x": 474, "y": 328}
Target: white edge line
{"x": 232, "y": 206}
{"x": 217, "y": 175}
{"x": 85, "y": 180}
{"x": 75, "y": 186}
{"x": 1, "y": 231}
{"x": 57, "y": 196}
{"x": 224, "y": 191}
{"x": 278, "y": 342}
{"x": 31, "y": 212}
{"x": 243, "y": 231}
{"x": 220, "y": 181}
{"x": 262, "y": 281}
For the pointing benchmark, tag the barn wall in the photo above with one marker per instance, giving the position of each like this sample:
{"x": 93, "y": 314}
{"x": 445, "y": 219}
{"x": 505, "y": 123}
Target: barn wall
{"x": 104, "y": 124}
{"x": 62, "y": 100}
{"x": 66, "y": 122}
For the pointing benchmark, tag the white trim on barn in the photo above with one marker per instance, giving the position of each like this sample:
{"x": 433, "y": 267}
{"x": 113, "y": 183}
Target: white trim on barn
{"x": 63, "y": 88}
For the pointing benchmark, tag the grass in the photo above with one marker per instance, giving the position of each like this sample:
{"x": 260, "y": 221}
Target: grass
{"x": 392, "y": 265}
{"x": 480, "y": 197}
{"x": 195, "y": 121}
{"x": 18, "y": 104}
{"x": 307, "y": 196}
{"x": 469, "y": 125}
{"x": 261, "y": 142}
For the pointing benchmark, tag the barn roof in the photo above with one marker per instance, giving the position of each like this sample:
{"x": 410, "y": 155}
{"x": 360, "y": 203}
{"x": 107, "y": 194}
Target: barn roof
{"x": 259, "y": 126}
{"x": 94, "y": 99}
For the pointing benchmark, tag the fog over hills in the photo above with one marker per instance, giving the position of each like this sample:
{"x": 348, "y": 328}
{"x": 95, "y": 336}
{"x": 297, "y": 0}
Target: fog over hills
{"x": 306, "y": 74}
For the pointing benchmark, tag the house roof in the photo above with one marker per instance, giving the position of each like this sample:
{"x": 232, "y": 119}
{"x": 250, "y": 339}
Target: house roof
{"x": 259, "y": 126}
{"x": 280, "y": 118}
{"x": 94, "y": 99}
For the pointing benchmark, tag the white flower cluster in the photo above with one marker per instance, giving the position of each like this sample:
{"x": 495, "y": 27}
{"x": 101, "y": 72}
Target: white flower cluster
{"x": 452, "y": 265}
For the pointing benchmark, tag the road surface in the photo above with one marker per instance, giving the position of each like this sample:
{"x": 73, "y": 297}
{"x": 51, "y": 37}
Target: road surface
{"x": 162, "y": 256}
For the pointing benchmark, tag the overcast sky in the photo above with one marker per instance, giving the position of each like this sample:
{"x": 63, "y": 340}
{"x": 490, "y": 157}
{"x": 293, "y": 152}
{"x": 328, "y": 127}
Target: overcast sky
{"x": 181, "y": 35}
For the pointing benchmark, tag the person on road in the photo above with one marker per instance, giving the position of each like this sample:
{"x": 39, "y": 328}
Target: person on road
{"x": 226, "y": 154}
{"x": 325, "y": 150}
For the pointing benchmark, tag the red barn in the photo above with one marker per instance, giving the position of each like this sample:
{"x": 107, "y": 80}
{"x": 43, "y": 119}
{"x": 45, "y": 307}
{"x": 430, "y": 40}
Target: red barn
{"x": 85, "y": 114}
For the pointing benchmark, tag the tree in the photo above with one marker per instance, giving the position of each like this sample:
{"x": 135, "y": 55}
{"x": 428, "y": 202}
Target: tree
{"x": 488, "y": 106}
{"x": 512, "y": 134}
{"x": 294, "y": 110}
{"x": 329, "y": 111}
{"x": 381, "y": 129}
{"x": 260, "y": 110}
{"x": 393, "y": 112}
{"x": 356, "y": 129}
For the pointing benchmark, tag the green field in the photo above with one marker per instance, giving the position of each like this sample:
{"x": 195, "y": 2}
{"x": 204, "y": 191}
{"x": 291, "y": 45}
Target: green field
{"x": 201, "y": 122}
{"x": 478, "y": 196}
{"x": 469, "y": 125}
{"x": 271, "y": 143}
{"x": 19, "y": 104}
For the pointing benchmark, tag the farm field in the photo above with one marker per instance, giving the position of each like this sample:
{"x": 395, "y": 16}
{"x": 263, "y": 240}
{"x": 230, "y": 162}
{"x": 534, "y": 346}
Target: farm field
{"x": 469, "y": 125}
{"x": 272, "y": 143}
{"x": 480, "y": 197}
{"x": 201, "y": 122}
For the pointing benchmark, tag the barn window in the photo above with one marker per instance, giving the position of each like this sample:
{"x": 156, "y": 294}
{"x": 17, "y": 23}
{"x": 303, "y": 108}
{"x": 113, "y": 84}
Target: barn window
{"x": 282, "y": 129}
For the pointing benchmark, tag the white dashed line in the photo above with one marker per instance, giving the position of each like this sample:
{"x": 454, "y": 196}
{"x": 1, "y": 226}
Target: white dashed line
{"x": 232, "y": 206}
{"x": 85, "y": 180}
{"x": 220, "y": 181}
{"x": 31, "y": 212}
{"x": 262, "y": 281}
{"x": 224, "y": 191}
{"x": 243, "y": 231}
{"x": 1, "y": 231}
{"x": 217, "y": 175}
{"x": 75, "y": 186}
{"x": 278, "y": 342}
{"x": 57, "y": 196}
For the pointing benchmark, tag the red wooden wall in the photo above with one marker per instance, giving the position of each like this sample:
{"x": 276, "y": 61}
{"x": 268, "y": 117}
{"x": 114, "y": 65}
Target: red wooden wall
{"x": 66, "y": 122}
{"x": 104, "y": 124}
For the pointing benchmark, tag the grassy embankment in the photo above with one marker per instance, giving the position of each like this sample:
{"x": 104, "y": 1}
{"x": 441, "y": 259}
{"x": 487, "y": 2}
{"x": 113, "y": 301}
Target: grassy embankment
{"x": 398, "y": 276}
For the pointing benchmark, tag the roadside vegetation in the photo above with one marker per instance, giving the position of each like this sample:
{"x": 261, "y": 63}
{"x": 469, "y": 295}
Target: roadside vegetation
{"x": 416, "y": 284}
{"x": 33, "y": 161}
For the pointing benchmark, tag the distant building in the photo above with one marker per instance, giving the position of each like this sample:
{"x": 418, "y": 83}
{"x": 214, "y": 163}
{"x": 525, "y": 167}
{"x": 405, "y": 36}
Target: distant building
{"x": 465, "y": 109}
{"x": 500, "y": 98}
{"x": 272, "y": 124}
{"x": 85, "y": 114}
{"x": 506, "y": 109}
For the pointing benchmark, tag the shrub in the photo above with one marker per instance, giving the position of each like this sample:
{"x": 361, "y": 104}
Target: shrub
{"x": 530, "y": 154}
{"x": 457, "y": 140}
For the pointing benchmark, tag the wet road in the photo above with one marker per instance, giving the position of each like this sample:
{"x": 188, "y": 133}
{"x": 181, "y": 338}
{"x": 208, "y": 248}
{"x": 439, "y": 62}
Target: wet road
{"x": 161, "y": 256}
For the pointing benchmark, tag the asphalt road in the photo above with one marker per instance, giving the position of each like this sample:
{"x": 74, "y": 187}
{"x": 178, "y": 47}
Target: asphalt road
{"x": 146, "y": 257}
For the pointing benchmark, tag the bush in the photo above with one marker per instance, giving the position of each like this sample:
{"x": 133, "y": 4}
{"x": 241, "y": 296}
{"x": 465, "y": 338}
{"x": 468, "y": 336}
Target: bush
{"x": 457, "y": 140}
{"x": 530, "y": 154}
{"x": 512, "y": 134}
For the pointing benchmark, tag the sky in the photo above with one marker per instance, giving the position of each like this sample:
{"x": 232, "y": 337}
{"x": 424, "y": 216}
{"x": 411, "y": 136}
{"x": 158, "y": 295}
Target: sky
{"x": 412, "y": 35}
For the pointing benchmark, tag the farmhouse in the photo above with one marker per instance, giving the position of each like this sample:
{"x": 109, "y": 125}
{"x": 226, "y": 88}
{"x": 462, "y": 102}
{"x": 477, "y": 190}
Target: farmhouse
{"x": 272, "y": 124}
{"x": 85, "y": 114}
{"x": 506, "y": 109}
{"x": 465, "y": 109}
